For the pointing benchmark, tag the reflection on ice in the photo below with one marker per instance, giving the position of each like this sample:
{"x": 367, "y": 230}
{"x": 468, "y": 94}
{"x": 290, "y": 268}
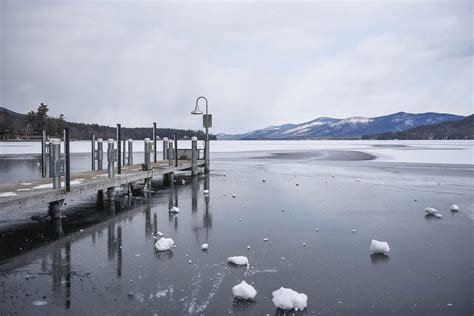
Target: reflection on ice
{"x": 378, "y": 258}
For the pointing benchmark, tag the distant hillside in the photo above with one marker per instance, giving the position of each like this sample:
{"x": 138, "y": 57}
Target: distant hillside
{"x": 462, "y": 129}
{"x": 15, "y": 125}
{"x": 349, "y": 128}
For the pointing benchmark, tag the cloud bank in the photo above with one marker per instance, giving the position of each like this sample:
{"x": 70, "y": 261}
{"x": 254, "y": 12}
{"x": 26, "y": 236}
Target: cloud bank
{"x": 257, "y": 63}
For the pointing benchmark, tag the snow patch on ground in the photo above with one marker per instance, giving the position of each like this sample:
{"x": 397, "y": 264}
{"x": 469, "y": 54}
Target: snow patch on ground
{"x": 244, "y": 291}
{"x": 164, "y": 244}
{"x": 288, "y": 299}
{"x": 431, "y": 210}
{"x": 238, "y": 260}
{"x": 174, "y": 209}
{"x": 50, "y": 185}
{"x": 454, "y": 208}
{"x": 380, "y": 247}
{"x": 7, "y": 194}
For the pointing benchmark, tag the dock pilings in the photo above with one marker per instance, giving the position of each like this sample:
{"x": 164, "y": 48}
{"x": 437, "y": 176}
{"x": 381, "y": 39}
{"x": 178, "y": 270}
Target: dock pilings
{"x": 111, "y": 157}
{"x": 155, "y": 157}
{"x": 100, "y": 154}
{"x": 194, "y": 155}
{"x": 147, "y": 164}
{"x": 93, "y": 152}
{"x": 165, "y": 148}
{"x": 130, "y": 152}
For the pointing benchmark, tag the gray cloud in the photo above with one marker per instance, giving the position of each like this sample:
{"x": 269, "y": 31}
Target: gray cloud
{"x": 258, "y": 63}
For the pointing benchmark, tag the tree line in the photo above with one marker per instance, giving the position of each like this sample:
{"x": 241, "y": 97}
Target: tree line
{"x": 30, "y": 126}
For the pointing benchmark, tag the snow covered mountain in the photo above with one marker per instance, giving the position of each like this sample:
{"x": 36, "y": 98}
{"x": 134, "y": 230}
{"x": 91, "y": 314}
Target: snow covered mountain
{"x": 352, "y": 127}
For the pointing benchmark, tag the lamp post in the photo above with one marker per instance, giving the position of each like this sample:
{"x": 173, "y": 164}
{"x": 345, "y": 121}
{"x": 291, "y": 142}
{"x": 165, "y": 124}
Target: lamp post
{"x": 207, "y": 122}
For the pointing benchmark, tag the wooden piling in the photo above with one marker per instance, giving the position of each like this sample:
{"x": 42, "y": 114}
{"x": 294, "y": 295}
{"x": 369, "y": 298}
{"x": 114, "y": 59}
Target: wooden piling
{"x": 194, "y": 155}
{"x": 100, "y": 154}
{"x": 110, "y": 158}
{"x": 154, "y": 143}
{"x": 67, "y": 155}
{"x": 130, "y": 152}
{"x": 93, "y": 157}
{"x": 119, "y": 149}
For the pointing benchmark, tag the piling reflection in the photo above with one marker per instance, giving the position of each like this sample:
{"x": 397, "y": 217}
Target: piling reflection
{"x": 173, "y": 201}
{"x": 55, "y": 228}
{"x": 148, "y": 223}
{"x": 114, "y": 246}
{"x": 61, "y": 274}
{"x": 377, "y": 258}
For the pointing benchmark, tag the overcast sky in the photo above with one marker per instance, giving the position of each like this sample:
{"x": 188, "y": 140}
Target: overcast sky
{"x": 259, "y": 64}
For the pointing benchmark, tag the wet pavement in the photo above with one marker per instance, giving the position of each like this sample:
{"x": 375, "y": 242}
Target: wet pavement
{"x": 100, "y": 258}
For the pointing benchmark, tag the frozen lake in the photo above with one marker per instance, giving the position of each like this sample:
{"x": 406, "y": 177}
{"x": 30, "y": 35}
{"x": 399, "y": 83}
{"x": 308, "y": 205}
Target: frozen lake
{"x": 423, "y": 151}
{"x": 103, "y": 261}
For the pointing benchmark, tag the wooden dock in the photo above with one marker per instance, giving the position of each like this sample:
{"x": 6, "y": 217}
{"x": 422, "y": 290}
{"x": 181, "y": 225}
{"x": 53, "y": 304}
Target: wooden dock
{"x": 39, "y": 193}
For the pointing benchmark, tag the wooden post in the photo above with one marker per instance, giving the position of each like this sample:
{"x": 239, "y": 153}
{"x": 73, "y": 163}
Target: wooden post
{"x": 206, "y": 155}
{"x": 147, "y": 154}
{"x": 119, "y": 149}
{"x": 55, "y": 156}
{"x": 170, "y": 152}
{"x": 175, "y": 150}
{"x": 110, "y": 158}
{"x": 93, "y": 152}
{"x": 130, "y": 152}
{"x": 100, "y": 154}
{"x": 50, "y": 160}
{"x": 194, "y": 155}
{"x": 67, "y": 155}
{"x": 110, "y": 194}
{"x": 165, "y": 148}
{"x": 54, "y": 210}
{"x": 124, "y": 155}
{"x": 43, "y": 155}
{"x": 154, "y": 142}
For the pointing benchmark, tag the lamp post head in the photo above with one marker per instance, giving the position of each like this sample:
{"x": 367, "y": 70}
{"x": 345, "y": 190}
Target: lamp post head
{"x": 197, "y": 111}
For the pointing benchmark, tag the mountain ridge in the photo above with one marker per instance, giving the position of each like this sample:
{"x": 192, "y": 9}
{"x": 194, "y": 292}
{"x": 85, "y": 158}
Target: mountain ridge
{"x": 348, "y": 128}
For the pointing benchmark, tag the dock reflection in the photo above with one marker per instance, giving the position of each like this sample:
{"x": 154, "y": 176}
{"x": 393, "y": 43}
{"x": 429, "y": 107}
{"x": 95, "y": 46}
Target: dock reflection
{"x": 108, "y": 225}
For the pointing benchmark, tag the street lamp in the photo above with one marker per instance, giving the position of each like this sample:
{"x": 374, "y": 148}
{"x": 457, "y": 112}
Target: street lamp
{"x": 207, "y": 122}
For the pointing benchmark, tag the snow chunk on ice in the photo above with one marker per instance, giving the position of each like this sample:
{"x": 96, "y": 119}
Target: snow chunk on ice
{"x": 174, "y": 209}
{"x": 40, "y": 303}
{"x": 244, "y": 291}
{"x": 288, "y": 299}
{"x": 379, "y": 247}
{"x": 7, "y": 194}
{"x": 454, "y": 208}
{"x": 238, "y": 260}
{"x": 160, "y": 234}
{"x": 234, "y": 195}
{"x": 206, "y": 191}
{"x": 431, "y": 210}
{"x": 438, "y": 215}
{"x": 205, "y": 246}
{"x": 164, "y": 244}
